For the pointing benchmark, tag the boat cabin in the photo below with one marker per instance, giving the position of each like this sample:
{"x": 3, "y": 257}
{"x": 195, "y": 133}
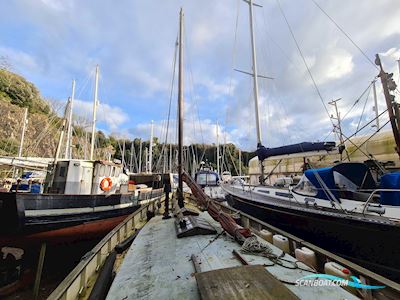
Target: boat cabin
{"x": 206, "y": 178}
{"x": 345, "y": 180}
{"x": 84, "y": 177}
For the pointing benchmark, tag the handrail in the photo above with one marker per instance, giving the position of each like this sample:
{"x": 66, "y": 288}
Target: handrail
{"x": 372, "y": 194}
{"x": 295, "y": 242}
{"x": 74, "y": 285}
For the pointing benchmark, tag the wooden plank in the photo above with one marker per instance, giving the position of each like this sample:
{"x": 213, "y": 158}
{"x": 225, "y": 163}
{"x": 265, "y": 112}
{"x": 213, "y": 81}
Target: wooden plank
{"x": 240, "y": 283}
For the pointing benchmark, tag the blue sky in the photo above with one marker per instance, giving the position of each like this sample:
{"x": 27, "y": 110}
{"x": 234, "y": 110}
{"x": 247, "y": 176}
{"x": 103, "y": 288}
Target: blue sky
{"x": 52, "y": 41}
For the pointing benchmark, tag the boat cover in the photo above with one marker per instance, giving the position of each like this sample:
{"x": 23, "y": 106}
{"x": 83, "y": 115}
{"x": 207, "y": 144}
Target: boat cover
{"x": 358, "y": 173}
{"x": 390, "y": 181}
{"x": 263, "y": 152}
{"x": 326, "y": 174}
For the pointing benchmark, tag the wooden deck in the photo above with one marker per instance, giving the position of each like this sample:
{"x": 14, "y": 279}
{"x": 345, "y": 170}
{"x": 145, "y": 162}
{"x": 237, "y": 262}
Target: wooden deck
{"x": 158, "y": 266}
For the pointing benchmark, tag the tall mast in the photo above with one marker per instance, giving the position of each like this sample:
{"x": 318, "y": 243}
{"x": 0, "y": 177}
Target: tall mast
{"x": 131, "y": 160}
{"x": 25, "y": 122}
{"x": 95, "y": 103}
{"x": 388, "y": 85}
{"x": 255, "y": 83}
{"x": 140, "y": 157}
{"x": 255, "y": 75}
{"x": 68, "y": 147}
{"x": 146, "y": 159}
{"x": 180, "y": 111}
{"x": 151, "y": 147}
{"x": 218, "y": 171}
{"x": 376, "y": 105}
{"x": 170, "y": 157}
{"x": 240, "y": 162}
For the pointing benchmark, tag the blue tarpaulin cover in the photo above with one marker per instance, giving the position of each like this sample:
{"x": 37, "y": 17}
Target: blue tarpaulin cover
{"x": 263, "y": 152}
{"x": 390, "y": 181}
{"x": 358, "y": 173}
{"x": 326, "y": 174}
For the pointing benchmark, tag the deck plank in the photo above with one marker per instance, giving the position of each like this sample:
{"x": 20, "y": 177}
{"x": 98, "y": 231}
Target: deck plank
{"x": 241, "y": 283}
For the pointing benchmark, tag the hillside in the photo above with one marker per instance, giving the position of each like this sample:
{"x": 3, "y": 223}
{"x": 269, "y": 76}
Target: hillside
{"x": 16, "y": 94}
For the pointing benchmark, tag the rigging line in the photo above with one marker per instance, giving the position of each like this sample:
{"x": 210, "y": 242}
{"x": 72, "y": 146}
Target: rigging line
{"x": 233, "y": 162}
{"x": 358, "y": 99}
{"x": 282, "y": 51}
{"x": 78, "y": 94}
{"x": 170, "y": 99}
{"x": 328, "y": 135}
{"x": 305, "y": 62}
{"x": 379, "y": 129}
{"x": 233, "y": 61}
{"x": 362, "y": 114}
{"x": 373, "y": 120}
{"x": 341, "y": 29}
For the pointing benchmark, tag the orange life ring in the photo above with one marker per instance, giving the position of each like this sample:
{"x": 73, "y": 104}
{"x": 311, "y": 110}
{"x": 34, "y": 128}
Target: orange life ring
{"x": 106, "y": 186}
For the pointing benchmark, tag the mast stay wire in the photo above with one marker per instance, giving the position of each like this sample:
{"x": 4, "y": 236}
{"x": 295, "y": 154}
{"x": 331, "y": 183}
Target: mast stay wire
{"x": 363, "y": 110}
{"x": 358, "y": 99}
{"x": 194, "y": 98}
{"x": 347, "y": 35}
{"x": 170, "y": 101}
{"x": 305, "y": 62}
{"x": 282, "y": 114}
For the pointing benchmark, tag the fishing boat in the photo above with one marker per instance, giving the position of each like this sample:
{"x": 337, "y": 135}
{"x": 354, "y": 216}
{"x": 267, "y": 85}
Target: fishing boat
{"x": 342, "y": 208}
{"x": 80, "y": 199}
{"x": 208, "y": 255}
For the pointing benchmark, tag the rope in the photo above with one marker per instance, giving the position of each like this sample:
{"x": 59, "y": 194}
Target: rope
{"x": 253, "y": 246}
{"x": 305, "y": 62}
{"x": 362, "y": 113}
{"x": 350, "y": 39}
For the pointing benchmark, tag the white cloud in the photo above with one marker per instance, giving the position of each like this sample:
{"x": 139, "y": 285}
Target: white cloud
{"x": 19, "y": 60}
{"x": 133, "y": 41}
{"x": 113, "y": 116}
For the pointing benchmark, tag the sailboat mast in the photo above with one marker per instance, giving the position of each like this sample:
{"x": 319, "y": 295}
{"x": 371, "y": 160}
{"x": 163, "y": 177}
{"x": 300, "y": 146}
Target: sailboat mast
{"x": 218, "y": 171}
{"x": 388, "y": 85}
{"x": 255, "y": 74}
{"x": 95, "y": 103}
{"x": 180, "y": 111}
{"x": 240, "y": 162}
{"x": 376, "y": 105}
{"x": 151, "y": 147}
{"x": 140, "y": 157}
{"x": 21, "y": 144}
{"x": 68, "y": 147}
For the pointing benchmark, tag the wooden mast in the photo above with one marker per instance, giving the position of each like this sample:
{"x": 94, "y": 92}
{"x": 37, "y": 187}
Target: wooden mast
{"x": 25, "y": 122}
{"x": 68, "y": 147}
{"x": 180, "y": 111}
{"x": 95, "y": 103}
{"x": 389, "y": 85}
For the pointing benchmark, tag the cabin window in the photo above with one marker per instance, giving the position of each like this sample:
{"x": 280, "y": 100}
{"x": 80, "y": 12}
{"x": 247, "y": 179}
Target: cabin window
{"x": 343, "y": 182}
{"x": 112, "y": 171}
{"x": 101, "y": 170}
{"x": 63, "y": 171}
{"x": 207, "y": 179}
{"x": 108, "y": 170}
{"x": 305, "y": 187}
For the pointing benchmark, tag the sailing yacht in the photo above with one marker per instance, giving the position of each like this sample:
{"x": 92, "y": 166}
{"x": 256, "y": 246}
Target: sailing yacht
{"x": 342, "y": 208}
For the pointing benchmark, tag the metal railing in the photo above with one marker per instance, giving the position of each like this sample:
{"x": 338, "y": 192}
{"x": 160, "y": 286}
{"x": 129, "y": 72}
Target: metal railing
{"x": 392, "y": 290}
{"x": 366, "y": 204}
{"x": 75, "y": 285}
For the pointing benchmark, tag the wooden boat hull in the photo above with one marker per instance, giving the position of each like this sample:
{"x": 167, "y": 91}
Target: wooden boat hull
{"x": 372, "y": 244}
{"x": 27, "y": 219}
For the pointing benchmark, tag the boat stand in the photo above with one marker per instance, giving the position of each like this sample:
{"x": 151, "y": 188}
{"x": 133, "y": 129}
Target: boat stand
{"x": 39, "y": 270}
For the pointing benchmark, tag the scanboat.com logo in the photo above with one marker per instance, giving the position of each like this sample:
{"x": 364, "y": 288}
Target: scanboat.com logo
{"x": 331, "y": 280}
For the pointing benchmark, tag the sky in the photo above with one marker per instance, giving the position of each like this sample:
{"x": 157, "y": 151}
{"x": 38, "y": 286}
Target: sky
{"x": 51, "y": 42}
